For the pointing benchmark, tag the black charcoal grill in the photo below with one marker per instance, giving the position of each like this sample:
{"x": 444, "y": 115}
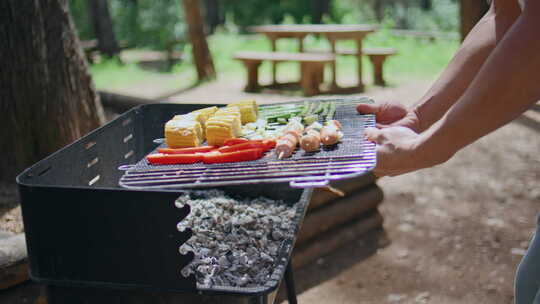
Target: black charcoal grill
{"x": 97, "y": 215}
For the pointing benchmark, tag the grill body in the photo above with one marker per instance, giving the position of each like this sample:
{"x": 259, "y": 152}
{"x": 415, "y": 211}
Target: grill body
{"x": 84, "y": 230}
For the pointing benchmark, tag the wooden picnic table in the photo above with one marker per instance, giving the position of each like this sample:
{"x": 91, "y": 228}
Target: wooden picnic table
{"x": 332, "y": 32}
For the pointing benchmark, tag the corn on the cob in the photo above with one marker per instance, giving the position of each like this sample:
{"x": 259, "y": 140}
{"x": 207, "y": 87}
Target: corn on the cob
{"x": 228, "y": 112}
{"x": 206, "y": 112}
{"x": 221, "y": 127}
{"x": 248, "y": 110}
{"x": 183, "y": 133}
{"x": 195, "y": 116}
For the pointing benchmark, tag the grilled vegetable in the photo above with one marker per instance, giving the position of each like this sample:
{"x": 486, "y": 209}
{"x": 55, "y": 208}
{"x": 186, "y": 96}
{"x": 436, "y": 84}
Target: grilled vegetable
{"x": 305, "y": 109}
{"x": 319, "y": 108}
{"x": 206, "y": 112}
{"x": 191, "y": 150}
{"x": 252, "y": 144}
{"x": 171, "y": 159}
{"x": 234, "y": 141}
{"x": 325, "y": 109}
{"x": 308, "y": 120}
{"x": 238, "y": 156}
{"x": 269, "y": 143}
{"x": 223, "y": 125}
{"x": 331, "y": 111}
{"x": 248, "y": 110}
{"x": 266, "y": 145}
{"x": 183, "y": 133}
{"x": 282, "y": 120}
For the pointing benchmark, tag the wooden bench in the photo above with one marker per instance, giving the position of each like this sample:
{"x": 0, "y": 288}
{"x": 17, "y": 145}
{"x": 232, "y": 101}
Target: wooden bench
{"x": 377, "y": 56}
{"x": 311, "y": 67}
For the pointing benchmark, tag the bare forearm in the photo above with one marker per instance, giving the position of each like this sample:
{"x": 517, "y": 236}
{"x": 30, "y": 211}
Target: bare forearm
{"x": 505, "y": 87}
{"x": 466, "y": 63}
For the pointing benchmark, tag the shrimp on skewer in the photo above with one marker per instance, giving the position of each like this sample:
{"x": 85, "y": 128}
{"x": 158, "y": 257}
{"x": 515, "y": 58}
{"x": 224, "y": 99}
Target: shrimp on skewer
{"x": 311, "y": 140}
{"x": 331, "y": 133}
{"x": 287, "y": 143}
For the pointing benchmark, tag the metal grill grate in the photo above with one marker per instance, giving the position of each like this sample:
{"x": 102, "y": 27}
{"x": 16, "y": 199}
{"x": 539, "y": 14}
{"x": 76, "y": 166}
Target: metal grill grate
{"x": 353, "y": 156}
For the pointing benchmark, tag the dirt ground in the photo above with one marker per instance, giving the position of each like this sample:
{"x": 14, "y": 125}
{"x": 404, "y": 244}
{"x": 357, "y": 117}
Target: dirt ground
{"x": 456, "y": 232}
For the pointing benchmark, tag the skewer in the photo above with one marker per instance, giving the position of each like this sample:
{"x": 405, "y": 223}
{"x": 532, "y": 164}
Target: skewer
{"x": 334, "y": 190}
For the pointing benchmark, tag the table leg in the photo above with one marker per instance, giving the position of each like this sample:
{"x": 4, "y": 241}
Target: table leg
{"x": 359, "y": 60}
{"x": 273, "y": 42}
{"x": 378, "y": 62}
{"x": 333, "y": 64}
{"x": 309, "y": 78}
{"x": 252, "y": 68}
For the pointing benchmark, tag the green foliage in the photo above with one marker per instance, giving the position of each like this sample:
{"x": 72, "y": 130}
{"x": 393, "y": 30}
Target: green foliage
{"x": 80, "y": 15}
{"x": 152, "y": 24}
{"x": 155, "y": 24}
{"x": 406, "y": 14}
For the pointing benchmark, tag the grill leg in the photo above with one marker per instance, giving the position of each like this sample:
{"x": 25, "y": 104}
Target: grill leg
{"x": 289, "y": 281}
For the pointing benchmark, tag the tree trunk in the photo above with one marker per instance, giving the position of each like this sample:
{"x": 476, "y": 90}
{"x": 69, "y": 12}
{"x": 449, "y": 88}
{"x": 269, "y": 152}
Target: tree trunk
{"x": 213, "y": 15}
{"x": 201, "y": 53}
{"x": 47, "y": 98}
{"x": 103, "y": 27}
{"x": 426, "y": 5}
{"x": 471, "y": 12}
{"x": 378, "y": 8}
{"x": 320, "y": 8}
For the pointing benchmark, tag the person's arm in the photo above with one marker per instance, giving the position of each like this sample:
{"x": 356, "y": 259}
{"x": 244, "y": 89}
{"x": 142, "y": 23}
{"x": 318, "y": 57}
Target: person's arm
{"x": 455, "y": 78}
{"x": 506, "y": 86}
{"x": 465, "y": 65}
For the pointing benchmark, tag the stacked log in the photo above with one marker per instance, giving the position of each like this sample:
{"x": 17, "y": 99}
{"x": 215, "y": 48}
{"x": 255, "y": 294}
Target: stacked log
{"x": 333, "y": 221}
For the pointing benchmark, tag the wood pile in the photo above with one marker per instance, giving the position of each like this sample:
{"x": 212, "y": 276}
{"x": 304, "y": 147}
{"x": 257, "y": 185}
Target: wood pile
{"x": 333, "y": 221}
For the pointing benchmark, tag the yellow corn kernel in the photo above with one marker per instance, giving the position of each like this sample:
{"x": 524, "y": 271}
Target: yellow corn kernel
{"x": 183, "y": 133}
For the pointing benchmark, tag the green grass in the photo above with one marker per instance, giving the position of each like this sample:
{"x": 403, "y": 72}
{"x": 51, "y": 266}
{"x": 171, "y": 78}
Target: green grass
{"x": 111, "y": 74}
{"x": 416, "y": 59}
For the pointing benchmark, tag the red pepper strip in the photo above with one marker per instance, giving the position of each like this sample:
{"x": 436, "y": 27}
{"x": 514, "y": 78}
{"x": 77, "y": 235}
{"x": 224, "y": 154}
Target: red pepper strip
{"x": 269, "y": 143}
{"x": 171, "y": 159}
{"x": 235, "y": 141}
{"x": 190, "y": 150}
{"x": 238, "y": 156}
{"x": 247, "y": 145}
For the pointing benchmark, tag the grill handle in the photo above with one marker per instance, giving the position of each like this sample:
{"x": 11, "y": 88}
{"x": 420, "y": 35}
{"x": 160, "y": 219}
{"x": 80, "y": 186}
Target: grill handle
{"x": 309, "y": 184}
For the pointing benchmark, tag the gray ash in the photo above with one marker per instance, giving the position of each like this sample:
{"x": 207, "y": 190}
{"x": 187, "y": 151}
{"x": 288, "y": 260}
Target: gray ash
{"x": 235, "y": 241}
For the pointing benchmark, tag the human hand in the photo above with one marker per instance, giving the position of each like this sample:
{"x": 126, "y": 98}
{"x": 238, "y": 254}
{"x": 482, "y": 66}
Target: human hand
{"x": 391, "y": 114}
{"x": 397, "y": 150}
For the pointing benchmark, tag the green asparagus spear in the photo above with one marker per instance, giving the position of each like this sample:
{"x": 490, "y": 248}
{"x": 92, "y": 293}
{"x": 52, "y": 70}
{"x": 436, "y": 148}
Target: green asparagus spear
{"x": 305, "y": 109}
{"x": 331, "y": 111}
{"x": 309, "y": 119}
{"x": 319, "y": 109}
{"x": 325, "y": 109}
{"x": 282, "y": 120}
